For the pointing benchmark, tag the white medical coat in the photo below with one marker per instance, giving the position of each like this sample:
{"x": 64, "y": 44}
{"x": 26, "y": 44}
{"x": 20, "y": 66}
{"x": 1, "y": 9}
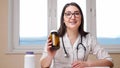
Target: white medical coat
{"x": 60, "y": 61}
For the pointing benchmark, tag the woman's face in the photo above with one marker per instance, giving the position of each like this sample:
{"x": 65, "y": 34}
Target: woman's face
{"x": 72, "y": 18}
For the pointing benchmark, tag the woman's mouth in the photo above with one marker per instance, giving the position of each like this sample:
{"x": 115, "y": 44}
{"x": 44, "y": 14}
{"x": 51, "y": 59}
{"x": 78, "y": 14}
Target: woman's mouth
{"x": 72, "y": 23}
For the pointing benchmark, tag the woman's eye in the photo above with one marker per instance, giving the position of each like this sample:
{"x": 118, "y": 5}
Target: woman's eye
{"x": 67, "y": 14}
{"x": 77, "y": 13}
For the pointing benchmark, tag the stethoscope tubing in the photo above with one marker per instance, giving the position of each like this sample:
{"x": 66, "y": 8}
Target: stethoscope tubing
{"x": 67, "y": 55}
{"x": 84, "y": 50}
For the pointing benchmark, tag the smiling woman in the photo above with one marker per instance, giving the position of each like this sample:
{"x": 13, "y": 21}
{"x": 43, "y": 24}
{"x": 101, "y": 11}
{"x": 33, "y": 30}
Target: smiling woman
{"x": 60, "y": 5}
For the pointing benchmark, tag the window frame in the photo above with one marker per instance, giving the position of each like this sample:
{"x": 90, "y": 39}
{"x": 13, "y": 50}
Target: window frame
{"x": 92, "y": 27}
{"x": 13, "y": 26}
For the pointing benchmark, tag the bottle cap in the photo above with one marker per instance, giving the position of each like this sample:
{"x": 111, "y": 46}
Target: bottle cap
{"x": 29, "y": 52}
{"x": 53, "y": 31}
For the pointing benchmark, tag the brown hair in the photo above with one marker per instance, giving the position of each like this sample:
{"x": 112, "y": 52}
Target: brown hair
{"x": 62, "y": 29}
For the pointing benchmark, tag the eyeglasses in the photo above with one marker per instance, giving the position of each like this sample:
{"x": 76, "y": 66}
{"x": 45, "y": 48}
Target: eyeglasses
{"x": 69, "y": 14}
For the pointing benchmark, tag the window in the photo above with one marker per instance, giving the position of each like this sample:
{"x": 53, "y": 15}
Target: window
{"x": 33, "y": 22}
{"x": 107, "y": 23}
{"x": 28, "y": 25}
{"x": 108, "y": 19}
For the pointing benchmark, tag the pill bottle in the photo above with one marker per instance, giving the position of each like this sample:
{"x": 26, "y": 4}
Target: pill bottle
{"x": 29, "y": 60}
{"x": 55, "y": 40}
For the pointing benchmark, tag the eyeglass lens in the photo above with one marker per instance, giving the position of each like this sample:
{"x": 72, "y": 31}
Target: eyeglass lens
{"x": 69, "y": 14}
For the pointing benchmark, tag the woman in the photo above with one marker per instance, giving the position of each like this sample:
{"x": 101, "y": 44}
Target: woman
{"x": 75, "y": 44}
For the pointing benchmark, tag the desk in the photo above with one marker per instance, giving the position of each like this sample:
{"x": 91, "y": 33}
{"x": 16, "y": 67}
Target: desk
{"x": 97, "y": 67}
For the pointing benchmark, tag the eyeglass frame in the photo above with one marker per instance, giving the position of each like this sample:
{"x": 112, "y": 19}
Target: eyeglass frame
{"x": 76, "y": 14}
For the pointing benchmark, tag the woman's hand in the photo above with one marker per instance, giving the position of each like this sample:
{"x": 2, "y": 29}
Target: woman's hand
{"x": 98, "y": 63}
{"x": 79, "y": 64}
{"x": 49, "y": 45}
{"x": 46, "y": 61}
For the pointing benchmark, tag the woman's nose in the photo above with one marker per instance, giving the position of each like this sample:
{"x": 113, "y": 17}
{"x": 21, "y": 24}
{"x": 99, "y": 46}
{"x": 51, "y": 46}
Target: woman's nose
{"x": 72, "y": 16}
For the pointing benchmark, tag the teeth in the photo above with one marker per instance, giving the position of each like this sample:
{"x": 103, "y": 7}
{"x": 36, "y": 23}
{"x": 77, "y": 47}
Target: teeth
{"x": 73, "y": 23}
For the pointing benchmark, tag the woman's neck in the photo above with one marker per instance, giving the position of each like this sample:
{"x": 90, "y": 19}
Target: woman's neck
{"x": 72, "y": 35}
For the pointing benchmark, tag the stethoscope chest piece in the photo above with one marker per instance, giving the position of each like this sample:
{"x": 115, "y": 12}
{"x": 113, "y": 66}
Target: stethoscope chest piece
{"x": 66, "y": 55}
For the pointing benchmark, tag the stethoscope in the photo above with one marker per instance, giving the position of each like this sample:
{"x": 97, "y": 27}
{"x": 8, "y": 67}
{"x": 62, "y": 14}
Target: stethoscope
{"x": 66, "y": 53}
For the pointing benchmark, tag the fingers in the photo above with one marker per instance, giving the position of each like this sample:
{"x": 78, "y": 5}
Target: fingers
{"x": 78, "y": 64}
{"x": 49, "y": 41}
{"x": 75, "y": 65}
{"x": 49, "y": 44}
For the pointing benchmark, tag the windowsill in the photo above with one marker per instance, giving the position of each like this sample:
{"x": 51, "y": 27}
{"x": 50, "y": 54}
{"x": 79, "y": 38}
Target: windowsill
{"x": 112, "y": 48}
